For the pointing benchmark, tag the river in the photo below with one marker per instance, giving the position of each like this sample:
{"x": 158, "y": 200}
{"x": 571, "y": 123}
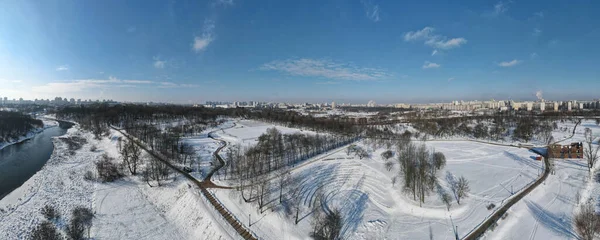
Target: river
{"x": 18, "y": 162}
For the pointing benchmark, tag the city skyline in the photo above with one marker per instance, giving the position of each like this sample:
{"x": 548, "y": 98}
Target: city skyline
{"x": 311, "y": 51}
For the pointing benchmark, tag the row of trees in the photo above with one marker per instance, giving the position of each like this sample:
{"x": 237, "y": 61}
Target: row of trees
{"x": 253, "y": 167}
{"x": 526, "y": 128}
{"x": 15, "y": 124}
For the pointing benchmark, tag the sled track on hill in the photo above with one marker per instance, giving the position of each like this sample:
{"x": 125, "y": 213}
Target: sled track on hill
{"x": 239, "y": 228}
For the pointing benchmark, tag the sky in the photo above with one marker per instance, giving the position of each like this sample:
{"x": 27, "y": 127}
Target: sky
{"x": 300, "y": 51}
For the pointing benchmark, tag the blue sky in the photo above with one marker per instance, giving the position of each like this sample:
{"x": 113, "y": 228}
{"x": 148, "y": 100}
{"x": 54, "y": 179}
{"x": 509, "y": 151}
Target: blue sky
{"x": 298, "y": 51}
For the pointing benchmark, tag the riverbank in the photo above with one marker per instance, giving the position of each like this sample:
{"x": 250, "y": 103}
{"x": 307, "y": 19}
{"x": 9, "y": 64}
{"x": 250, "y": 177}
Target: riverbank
{"x": 124, "y": 209}
{"x": 30, "y": 134}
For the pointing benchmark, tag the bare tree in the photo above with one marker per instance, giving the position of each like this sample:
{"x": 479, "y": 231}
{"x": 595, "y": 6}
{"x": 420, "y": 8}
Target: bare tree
{"x": 107, "y": 170}
{"x": 461, "y": 188}
{"x": 587, "y": 222}
{"x": 590, "y": 152}
{"x": 389, "y": 165}
{"x": 283, "y": 180}
{"x": 327, "y": 226}
{"x": 444, "y": 196}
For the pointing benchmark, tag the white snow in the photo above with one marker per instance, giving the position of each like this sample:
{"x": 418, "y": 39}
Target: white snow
{"x": 374, "y": 208}
{"x": 125, "y": 209}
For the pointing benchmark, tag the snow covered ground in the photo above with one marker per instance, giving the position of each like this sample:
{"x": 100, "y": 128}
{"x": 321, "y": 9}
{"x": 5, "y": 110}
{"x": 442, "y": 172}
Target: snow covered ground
{"x": 246, "y": 132}
{"x": 374, "y": 207}
{"x": 547, "y": 212}
{"x": 125, "y": 209}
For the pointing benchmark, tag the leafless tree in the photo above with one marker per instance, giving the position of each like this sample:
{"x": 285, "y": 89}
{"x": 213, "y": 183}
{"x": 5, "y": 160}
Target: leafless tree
{"x": 283, "y": 181}
{"x": 587, "y": 222}
{"x": 444, "y": 196}
{"x": 389, "y": 165}
{"x": 327, "y": 226}
{"x": 461, "y": 188}
{"x": 590, "y": 152}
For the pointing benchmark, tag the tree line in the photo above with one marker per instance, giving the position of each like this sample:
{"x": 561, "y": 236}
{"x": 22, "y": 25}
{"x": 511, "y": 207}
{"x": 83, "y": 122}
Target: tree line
{"x": 15, "y": 124}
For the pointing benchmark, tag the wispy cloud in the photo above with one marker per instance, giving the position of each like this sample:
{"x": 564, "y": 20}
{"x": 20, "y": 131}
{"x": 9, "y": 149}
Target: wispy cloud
{"x": 428, "y": 65}
{"x": 539, "y": 14}
{"x": 434, "y": 52}
{"x": 372, "y": 10}
{"x": 500, "y": 8}
{"x": 450, "y": 79}
{"x": 176, "y": 85}
{"x": 131, "y": 29}
{"x": 533, "y": 55}
{"x": 434, "y": 40}
{"x": 158, "y": 63}
{"x": 509, "y": 63}
{"x": 325, "y": 69}
{"x": 63, "y": 68}
{"x": 224, "y": 2}
{"x": 201, "y": 42}
{"x": 536, "y": 32}
{"x": 328, "y": 83}
{"x": 79, "y": 85}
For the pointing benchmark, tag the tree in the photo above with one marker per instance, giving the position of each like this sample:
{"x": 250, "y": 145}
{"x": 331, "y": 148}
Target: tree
{"x": 327, "y": 226}
{"x": 444, "y": 196}
{"x": 461, "y": 188}
{"x": 81, "y": 219}
{"x": 387, "y": 154}
{"x": 389, "y": 165}
{"x": 46, "y": 231}
{"x": 587, "y": 222}
{"x": 590, "y": 152}
{"x": 131, "y": 154}
{"x": 439, "y": 160}
{"x": 283, "y": 180}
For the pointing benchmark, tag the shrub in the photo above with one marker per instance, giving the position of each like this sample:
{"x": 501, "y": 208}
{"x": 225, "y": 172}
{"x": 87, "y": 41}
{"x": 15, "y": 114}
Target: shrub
{"x": 47, "y": 231}
{"x": 50, "y": 212}
{"x": 89, "y": 175}
{"x": 107, "y": 170}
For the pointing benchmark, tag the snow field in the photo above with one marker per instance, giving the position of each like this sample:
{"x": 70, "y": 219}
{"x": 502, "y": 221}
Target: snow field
{"x": 373, "y": 207}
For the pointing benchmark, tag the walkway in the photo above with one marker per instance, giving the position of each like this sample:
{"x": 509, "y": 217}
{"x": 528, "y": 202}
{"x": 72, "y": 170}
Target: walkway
{"x": 239, "y": 228}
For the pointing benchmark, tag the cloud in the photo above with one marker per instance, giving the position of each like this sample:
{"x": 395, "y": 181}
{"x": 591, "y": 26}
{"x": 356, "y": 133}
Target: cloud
{"x": 131, "y": 29}
{"x": 423, "y": 34}
{"x": 73, "y": 86}
{"x": 446, "y": 44}
{"x": 159, "y": 63}
{"x": 201, "y": 42}
{"x": 176, "y": 85}
{"x": 450, "y": 79}
{"x": 434, "y": 52}
{"x": 436, "y": 41}
{"x": 539, "y": 14}
{"x": 500, "y": 8}
{"x": 536, "y": 32}
{"x": 224, "y": 2}
{"x": 372, "y": 10}
{"x": 428, "y": 65}
{"x": 325, "y": 69}
{"x": 533, "y": 55}
{"x": 509, "y": 63}
{"x": 63, "y": 68}
{"x": 328, "y": 83}
{"x": 539, "y": 94}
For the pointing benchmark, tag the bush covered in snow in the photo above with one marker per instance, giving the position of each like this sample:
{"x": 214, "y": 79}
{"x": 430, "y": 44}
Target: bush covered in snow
{"x": 108, "y": 171}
